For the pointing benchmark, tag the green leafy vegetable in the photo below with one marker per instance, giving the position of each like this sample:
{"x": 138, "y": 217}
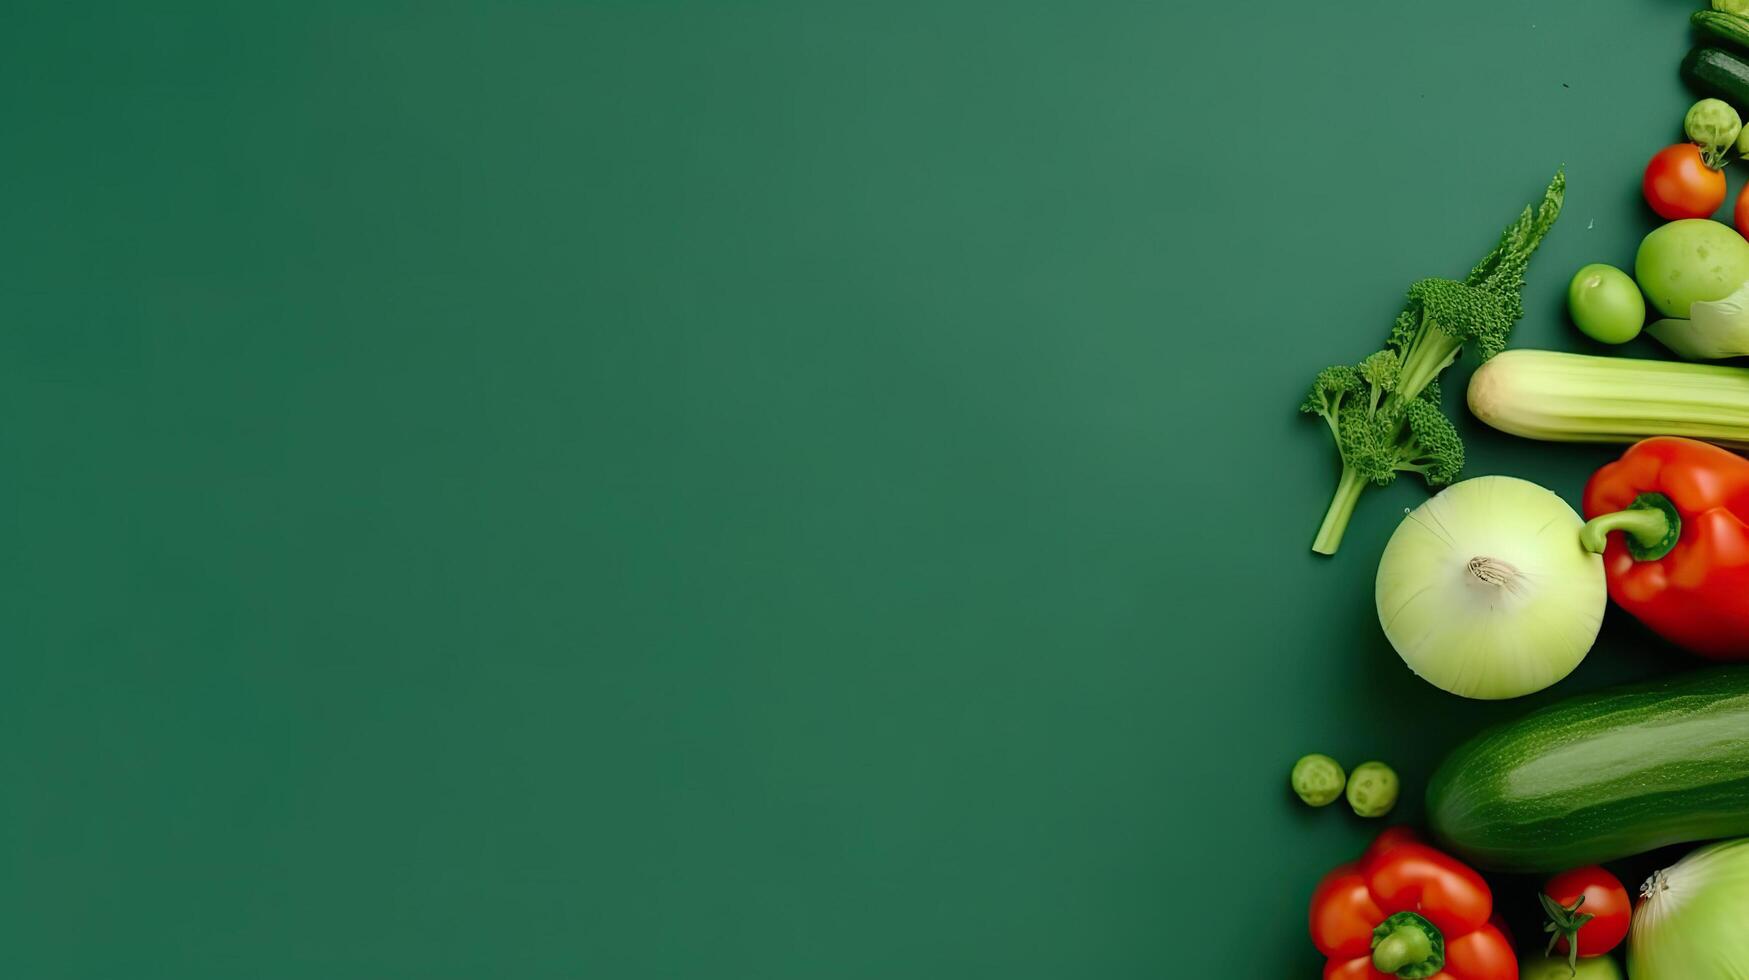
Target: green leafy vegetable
{"x": 1383, "y": 413}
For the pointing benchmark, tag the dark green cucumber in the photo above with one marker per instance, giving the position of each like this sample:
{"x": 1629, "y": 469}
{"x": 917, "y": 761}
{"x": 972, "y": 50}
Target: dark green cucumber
{"x": 1601, "y": 776}
{"x": 1717, "y": 72}
{"x": 1727, "y": 27}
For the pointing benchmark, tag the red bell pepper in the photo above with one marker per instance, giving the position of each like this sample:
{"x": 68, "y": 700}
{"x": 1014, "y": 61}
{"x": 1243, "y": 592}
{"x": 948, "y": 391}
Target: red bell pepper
{"x": 1407, "y": 910}
{"x": 1681, "y": 563}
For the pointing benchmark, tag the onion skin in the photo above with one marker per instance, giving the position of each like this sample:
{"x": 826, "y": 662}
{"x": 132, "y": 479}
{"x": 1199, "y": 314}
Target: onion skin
{"x": 1692, "y": 921}
{"x": 1486, "y": 592}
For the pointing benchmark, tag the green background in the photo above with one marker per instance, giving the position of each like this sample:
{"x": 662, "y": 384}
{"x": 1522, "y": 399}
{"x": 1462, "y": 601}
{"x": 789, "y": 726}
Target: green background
{"x": 734, "y": 489}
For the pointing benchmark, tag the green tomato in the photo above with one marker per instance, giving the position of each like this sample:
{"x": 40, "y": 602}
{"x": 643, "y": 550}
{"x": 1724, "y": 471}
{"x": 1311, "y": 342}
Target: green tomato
{"x": 1712, "y": 123}
{"x": 1536, "y": 966}
{"x": 1606, "y": 304}
{"x": 1372, "y": 789}
{"x": 1690, "y": 261}
{"x": 1743, "y": 143}
{"x": 1318, "y": 779}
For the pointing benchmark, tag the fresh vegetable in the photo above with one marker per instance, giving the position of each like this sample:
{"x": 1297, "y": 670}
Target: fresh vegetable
{"x": 1318, "y": 779}
{"x": 1714, "y": 126}
{"x": 1690, "y": 923}
{"x": 1680, "y": 183}
{"x": 1713, "y": 330}
{"x": 1731, "y": 6}
{"x": 1536, "y": 966}
{"x": 1716, "y": 71}
{"x": 1606, "y": 304}
{"x": 1485, "y": 592}
{"x": 1588, "y": 912}
{"x": 1681, "y": 561}
{"x": 1740, "y": 211}
{"x": 1688, "y": 261}
{"x": 1383, "y": 413}
{"x": 1372, "y": 789}
{"x": 1562, "y": 397}
{"x": 1601, "y": 776}
{"x": 1732, "y": 28}
{"x": 1407, "y": 910}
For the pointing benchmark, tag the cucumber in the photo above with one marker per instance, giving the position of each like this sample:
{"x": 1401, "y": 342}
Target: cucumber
{"x": 1601, "y": 776}
{"x": 1728, "y": 27}
{"x": 1717, "y": 72}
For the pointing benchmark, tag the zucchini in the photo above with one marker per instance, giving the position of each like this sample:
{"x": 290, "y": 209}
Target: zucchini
{"x": 1732, "y": 28}
{"x": 1558, "y": 397}
{"x": 1717, "y": 72}
{"x": 1601, "y": 776}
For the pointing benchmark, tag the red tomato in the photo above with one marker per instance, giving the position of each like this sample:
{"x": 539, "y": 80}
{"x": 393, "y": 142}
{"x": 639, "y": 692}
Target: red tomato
{"x": 1605, "y": 901}
{"x": 1679, "y": 184}
{"x": 1741, "y": 212}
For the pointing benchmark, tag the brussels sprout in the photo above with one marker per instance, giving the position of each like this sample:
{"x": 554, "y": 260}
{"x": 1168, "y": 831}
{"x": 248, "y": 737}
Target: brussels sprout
{"x": 1372, "y": 789}
{"x": 1714, "y": 125}
{"x": 1318, "y": 779}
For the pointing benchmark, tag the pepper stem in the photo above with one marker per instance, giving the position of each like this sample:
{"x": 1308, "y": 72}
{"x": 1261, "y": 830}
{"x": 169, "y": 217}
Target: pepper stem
{"x": 1404, "y": 946}
{"x": 1408, "y": 946}
{"x": 1651, "y": 524}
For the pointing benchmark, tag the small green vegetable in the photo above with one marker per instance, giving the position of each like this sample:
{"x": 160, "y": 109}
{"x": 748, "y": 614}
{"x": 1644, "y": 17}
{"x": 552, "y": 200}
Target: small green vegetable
{"x": 1715, "y": 71}
{"x": 1694, "y": 259}
{"x": 1318, "y": 779}
{"x": 1732, "y": 6}
{"x": 1536, "y": 966}
{"x": 1384, "y": 413}
{"x": 1605, "y": 304}
{"x": 1724, "y": 25}
{"x": 1372, "y": 789}
{"x": 1715, "y": 126}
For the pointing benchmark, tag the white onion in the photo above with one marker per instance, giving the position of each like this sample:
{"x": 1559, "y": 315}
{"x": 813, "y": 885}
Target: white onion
{"x": 1486, "y": 592}
{"x": 1692, "y": 922}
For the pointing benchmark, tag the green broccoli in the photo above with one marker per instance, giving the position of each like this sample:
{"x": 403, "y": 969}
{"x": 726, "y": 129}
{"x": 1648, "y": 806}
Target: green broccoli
{"x": 1383, "y": 413}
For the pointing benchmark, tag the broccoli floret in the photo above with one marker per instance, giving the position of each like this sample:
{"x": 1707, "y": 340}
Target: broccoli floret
{"x": 1432, "y": 448}
{"x": 1381, "y": 370}
{"x": 1384, "y": 413}
{"x": 1453, "y": 314}
{"x": 1369, "y": 447}
{"x": 1329, "y": 390}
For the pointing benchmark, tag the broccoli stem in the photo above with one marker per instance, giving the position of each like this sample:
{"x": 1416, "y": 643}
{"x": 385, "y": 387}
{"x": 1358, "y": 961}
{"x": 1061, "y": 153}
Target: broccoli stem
{"x": 1348, "y": 490}
{"x": 1432, "y": 352}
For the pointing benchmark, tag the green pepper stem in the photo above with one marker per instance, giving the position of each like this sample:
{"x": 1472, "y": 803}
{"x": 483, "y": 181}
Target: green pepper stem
{"x": 1406, "y": 945}
{"x": 1647, "y": 527}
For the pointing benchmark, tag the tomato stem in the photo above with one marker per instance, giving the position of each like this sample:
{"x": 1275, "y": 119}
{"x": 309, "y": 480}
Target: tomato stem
{"x": 1565, "y": 921}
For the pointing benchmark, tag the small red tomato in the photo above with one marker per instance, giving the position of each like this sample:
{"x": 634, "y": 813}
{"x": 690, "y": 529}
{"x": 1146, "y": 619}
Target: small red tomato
{"x": 1741, "y": 212}
{"x": 1587, "y": 904}
{"x": 1679, "y": 184}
